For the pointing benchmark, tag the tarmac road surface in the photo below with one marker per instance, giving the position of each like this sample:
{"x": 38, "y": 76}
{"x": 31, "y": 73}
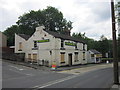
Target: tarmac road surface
{"x": 18, "y": 76}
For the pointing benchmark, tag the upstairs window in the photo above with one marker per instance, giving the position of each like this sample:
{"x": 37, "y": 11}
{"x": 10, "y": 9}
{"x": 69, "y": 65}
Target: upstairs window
{"x": 35, "y": 43}
{"x": 92, "y": 55}
{"x": 83, "y": 46}
{"x": 20, "y": 46}
{"x": 76, "y": 46}
{"x": 62, "y": 43}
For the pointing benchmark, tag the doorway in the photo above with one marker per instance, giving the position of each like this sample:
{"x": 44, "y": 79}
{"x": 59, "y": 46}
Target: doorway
{"x": 70, "y": 59}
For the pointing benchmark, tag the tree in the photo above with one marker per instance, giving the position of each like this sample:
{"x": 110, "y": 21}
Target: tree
{"x": 10, "y": 33}
{"x": 104, "y": 45}
{"x": 51, "y": 18}
{"x": 117, "y": 8}
{"x": 90, "y": 42}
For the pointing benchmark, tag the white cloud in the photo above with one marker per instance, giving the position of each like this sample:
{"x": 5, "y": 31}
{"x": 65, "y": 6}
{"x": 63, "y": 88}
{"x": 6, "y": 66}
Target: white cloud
{"x": 91, "y": 17}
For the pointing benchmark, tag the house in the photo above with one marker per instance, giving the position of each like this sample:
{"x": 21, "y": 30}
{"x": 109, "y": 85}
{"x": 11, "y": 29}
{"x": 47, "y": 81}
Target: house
{"x": 48, "y": 47}
{"x": 3, "y": 40}
{"x": 94, "y": 56}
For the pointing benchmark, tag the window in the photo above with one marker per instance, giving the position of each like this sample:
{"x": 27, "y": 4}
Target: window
{"x": 29, "y": 56}
{"x": 34, "y": 56}
{"x": 83, "y": 55}
{"x": 20, "y": 46}
{"x": 92, "y": 55}
{"x": 83, "y": 46}
{"x": 62, "y": 43}
{"x": 76, "y": 56}
{"x": 62, "y": 57}
{"x": 76, "y": 46}
{"x": 35, "y": 43}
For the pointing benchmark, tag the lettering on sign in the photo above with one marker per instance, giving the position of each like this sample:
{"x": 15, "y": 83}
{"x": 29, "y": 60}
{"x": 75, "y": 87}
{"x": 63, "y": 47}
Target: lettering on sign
{"x": 42, "y": 41}
{"x": 70, "y": 44}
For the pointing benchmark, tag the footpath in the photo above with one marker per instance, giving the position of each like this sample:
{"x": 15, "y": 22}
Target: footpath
{"x": 62, "y": 68}
{"x": 115, "y": 87}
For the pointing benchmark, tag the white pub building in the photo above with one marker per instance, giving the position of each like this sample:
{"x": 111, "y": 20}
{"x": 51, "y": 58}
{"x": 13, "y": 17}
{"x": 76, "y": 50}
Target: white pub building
{"x": 48, "y": 47}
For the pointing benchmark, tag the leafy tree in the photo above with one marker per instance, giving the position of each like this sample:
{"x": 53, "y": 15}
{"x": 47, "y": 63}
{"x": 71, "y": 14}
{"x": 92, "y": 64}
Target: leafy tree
{"x": 51, "y": 18}
{"x": 10, "y": 33}
{"x": 117, "y": 6}
{"x": 90, "y": 42}
{"x": 104, "y": 44}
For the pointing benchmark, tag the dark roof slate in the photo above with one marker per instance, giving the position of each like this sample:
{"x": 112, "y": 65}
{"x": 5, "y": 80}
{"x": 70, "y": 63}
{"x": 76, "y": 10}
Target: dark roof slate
{"x": 65, "y": 37}
{"x": 26, "y": 37}
{"x": 55, "y": 34}
{"x": 95, "y": 51}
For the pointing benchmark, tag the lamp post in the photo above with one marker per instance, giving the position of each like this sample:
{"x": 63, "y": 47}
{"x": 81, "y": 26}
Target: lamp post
{"x": 115, "y": 59}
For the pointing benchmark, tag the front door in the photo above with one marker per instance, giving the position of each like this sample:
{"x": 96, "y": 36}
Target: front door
{"x": 70, "y": 59}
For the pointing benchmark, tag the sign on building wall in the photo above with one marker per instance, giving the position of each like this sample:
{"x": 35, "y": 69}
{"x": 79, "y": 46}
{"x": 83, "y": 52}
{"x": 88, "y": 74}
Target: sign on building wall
{"x": 42, "y": 41}
{"x": 70, "y": 44}
{"x": 98, "y": 55}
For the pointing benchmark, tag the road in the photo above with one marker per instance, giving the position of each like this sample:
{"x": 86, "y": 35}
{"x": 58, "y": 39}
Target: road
{"x": 17, "y": 76}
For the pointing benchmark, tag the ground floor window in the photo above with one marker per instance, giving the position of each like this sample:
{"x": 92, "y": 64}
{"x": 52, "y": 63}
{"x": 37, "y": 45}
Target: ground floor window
{"x": 34, "y": 56}
{"x": 62, "y": 57}
{"x": 76, "y": 56}
{"x": 29, "y": 56}
{"x": 83, "y": 55}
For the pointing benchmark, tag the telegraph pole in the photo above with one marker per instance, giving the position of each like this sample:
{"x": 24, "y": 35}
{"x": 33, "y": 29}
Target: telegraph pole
{"x": 115, "y": 59}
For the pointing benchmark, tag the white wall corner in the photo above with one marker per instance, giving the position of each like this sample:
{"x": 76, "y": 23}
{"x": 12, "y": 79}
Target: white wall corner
{"x": 40, "y": 28}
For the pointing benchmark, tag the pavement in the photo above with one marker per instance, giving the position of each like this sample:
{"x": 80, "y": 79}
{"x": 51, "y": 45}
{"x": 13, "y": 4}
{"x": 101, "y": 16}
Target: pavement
{"x": 60, "y": 68}
{"x": 31, "y": 65}
{"x": 115, "y": 86}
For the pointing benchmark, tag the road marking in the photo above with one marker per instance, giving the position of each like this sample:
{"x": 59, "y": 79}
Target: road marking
{"x": 16, "y": 67}
{"x": 22, "y": 72}
{"x": 21, "y": 69}
{"x": 55, "y": 82}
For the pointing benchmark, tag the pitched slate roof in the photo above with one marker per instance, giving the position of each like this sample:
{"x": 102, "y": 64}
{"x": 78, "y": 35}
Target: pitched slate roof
{"x": 95, "y": 51}
{"x": 66, "y": 37}
{"x": 26, "y": 37}
{"x": 55, "y": 34}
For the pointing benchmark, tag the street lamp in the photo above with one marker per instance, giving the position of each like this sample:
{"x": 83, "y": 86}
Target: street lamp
{"x": 115, "y": 59}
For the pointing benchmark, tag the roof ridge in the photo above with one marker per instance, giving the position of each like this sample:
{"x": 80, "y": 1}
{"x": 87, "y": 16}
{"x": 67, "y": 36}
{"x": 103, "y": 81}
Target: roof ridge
{"x": 63, "y": 36}
{"x": 26, "y": 37}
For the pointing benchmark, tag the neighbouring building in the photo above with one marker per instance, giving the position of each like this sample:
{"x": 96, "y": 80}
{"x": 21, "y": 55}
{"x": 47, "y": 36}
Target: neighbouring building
{"x": 3, "y": 40}
{"x": 94, "y": 56}
{"x": 48, "y": 47}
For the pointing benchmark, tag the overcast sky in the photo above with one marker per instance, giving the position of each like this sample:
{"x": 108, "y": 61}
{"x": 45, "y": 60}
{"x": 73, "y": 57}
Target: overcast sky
{"x": 90, "y": 16}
